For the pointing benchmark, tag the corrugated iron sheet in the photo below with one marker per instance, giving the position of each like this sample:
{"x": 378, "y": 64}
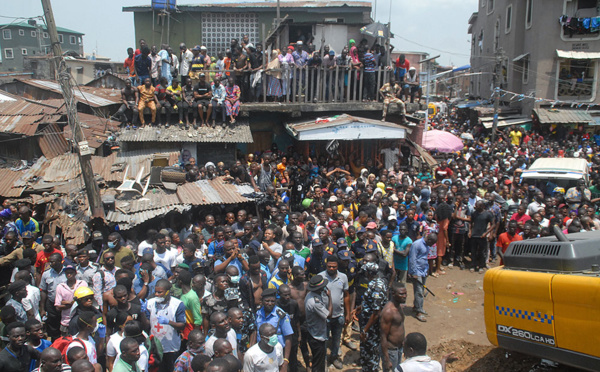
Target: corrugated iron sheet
{"x": 240, "y": 133}
{"x": 52, "y": 142}
{"x": 134, "y": 159}
{"x": 154, "y": 199}
{"x": 95, "y": 97}
{"x": 560, "y": 116}
{"x": 95, "y": 129}
{"x": 24, "y": 117}
{"x": 129, "y": 221}
{"x": 64, "y": 167}
{"x": 8, "y": 178}
{"x": 206, "y": 192}
{"x": 35, "y": 171}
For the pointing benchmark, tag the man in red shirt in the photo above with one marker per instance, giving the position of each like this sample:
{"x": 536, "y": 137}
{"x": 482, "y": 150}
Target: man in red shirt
{"x": 129, "y": 64}
{"x": 402, "y": 66}
{"x": 443, "y": 172}
{"x": 520, "y": 217}
{"x": 41, "y": 259}
{"x": 506, "y": 238}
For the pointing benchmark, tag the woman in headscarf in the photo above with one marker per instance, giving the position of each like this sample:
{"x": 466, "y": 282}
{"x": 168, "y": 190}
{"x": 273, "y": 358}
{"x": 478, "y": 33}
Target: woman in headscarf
{"x": 274, "y": 76}
{"x": 232, "y": 99}
{"x": 286, "y": 60}
{"x": 355, "y": 65}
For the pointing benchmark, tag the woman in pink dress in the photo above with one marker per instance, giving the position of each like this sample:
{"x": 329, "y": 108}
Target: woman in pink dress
{"x": 232, "y": 99}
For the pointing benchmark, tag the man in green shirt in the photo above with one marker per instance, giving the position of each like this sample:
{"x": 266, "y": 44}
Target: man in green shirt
{"x": 191, "y": 301}
{"x": 130, "y": 354}
{"x": 299, "y": 248}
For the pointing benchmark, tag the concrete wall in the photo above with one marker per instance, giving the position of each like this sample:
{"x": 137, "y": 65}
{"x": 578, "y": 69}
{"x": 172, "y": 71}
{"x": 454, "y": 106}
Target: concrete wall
{"x": 540, "y": 39}
{"x": 186, "y": 27}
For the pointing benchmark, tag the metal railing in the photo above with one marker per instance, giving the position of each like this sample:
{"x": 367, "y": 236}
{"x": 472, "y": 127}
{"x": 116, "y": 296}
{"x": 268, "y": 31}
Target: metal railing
{"x": 309, "y": 84}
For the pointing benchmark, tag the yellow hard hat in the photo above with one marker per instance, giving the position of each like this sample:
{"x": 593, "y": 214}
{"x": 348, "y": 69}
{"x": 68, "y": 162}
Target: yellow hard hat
{"x": 82, "y": 292}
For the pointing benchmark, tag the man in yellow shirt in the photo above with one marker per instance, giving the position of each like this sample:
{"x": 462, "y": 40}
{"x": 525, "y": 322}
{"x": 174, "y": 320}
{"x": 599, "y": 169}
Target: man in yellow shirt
{"x": 515, "y": 137}
{"x": 147, "y": 99}
{"x": 174, "y": 97}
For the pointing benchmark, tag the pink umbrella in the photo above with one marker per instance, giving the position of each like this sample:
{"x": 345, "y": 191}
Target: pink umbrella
{"x": 441, "y": 141}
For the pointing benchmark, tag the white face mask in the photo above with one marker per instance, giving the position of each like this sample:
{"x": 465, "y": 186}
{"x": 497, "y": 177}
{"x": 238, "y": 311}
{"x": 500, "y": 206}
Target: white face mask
{"x": 160, "y": 300}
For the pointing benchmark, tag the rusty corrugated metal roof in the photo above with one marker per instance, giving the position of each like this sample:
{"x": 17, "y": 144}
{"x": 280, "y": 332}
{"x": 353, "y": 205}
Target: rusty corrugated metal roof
{"x": 562, "y": 116}
{"x": 23, "y": 117}
{"x": 135, "y": 159}
{"x": 64, "y": 167}
{"x": 95, "y": 97}
{"x": 205, "y": 192}
{"x": 129, "y": 221}
{"x": 95, "y": 129}
{"x": 240, "y": 133}
{"x": 8, "y": 178}
{"x": 35, "y": 171}
{"x": 52, "y": 142}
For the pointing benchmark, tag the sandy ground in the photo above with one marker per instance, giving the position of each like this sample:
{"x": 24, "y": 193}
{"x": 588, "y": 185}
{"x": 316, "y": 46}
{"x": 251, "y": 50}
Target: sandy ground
{"x": 456, "y": 324}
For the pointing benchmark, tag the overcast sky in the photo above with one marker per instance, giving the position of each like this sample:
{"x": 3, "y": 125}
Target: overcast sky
{"x": 423, "y": 25}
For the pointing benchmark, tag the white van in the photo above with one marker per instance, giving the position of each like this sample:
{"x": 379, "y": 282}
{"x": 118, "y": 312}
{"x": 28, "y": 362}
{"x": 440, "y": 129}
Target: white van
{"x": 562, "y": 172}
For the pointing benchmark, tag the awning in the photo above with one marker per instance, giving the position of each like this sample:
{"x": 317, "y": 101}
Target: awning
{"x": 505, "y": 122}
{"x": 570, "y": 54}
{"x": 560, "y": 116}
{"x": 346, "y": 127}
{"x": 522, "y": 56}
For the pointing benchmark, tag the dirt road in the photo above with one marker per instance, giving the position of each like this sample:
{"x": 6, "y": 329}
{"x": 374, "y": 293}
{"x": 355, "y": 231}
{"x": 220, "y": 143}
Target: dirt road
{"x": 456, "y": 324}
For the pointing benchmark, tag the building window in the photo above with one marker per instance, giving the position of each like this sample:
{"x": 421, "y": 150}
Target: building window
{"x": 575, "y": 14}
{"x": 8, "y": 53}
{"x": 576, "y": 79}
{"x": 24, "y": 51}
{"x": 21, "y": 32}
{"x": 481, "y": 42}
{"x": 6, "y": 34}
{"x": 79, "y": 40}
{"x": 72, "y": 39}
{"x": 482, "y": 3}
{"x": 529, "y": 13}
{"x": 490, "y": 6}
{"x": 46, "y": 35}
{"x": 60, "y": 38}
{"x": 34, "y": 34}
{"x": 525, "y": 70}
{"x": 508, "y": 25}
{"x": 218, "y": 29}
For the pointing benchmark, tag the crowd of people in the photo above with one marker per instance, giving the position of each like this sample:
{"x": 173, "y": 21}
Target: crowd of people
{"x": 193, "y": 83}
{"x": 322, "y": 261}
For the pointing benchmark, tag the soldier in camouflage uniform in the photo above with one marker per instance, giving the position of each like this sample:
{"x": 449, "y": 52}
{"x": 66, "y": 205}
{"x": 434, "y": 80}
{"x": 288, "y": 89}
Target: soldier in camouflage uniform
{"x": 373, "y": 301}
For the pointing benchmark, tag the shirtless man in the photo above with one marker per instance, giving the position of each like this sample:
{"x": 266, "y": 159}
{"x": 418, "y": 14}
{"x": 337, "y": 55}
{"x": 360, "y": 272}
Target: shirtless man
{"x": 392, "y": 328}
{"x": 299, "y": 289}
{"x": 130, "y": 98}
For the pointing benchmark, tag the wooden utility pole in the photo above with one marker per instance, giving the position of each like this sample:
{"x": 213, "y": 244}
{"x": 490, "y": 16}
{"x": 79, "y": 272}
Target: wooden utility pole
{"x": 66, "y": 84}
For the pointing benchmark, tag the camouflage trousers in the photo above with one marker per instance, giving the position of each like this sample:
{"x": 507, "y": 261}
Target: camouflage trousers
{"x": 398, "y": 101}
{"x": 370, "y": 349}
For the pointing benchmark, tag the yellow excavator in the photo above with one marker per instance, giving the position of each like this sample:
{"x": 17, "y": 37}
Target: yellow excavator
{"x": 545, "y": 300}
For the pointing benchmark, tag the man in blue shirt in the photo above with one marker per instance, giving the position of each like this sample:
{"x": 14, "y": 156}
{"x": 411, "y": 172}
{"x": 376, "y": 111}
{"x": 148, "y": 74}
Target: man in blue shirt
{"x": 402, "y": 243}
{"x": 274, "y": 315}
{"x": 417, "y": 271}
{"x": 143, "y": 65}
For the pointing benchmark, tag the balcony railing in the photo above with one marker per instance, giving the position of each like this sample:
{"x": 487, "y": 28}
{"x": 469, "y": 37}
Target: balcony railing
{"x": 310, "y": 84}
